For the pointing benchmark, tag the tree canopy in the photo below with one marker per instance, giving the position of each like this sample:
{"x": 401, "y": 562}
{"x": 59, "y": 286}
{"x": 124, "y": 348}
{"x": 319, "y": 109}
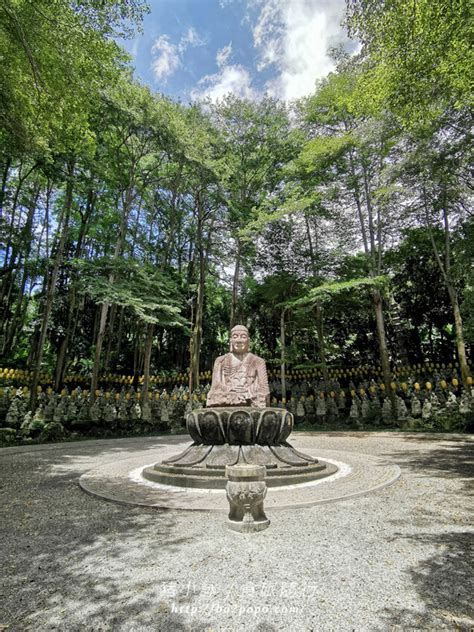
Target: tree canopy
{"x": 136, "y": 230}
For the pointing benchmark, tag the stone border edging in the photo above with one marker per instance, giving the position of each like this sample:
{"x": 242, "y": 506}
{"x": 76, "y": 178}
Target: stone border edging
{"x": 112, "y": 482}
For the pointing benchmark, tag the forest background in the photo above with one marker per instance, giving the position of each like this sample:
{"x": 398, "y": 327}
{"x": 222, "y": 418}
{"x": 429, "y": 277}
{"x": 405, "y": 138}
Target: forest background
{"x": 135, "y": 230}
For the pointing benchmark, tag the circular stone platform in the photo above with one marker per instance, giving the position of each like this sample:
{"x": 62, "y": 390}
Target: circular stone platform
{"x": 122, "y": 481}
{"x": 214, "y": 477}
{"x": 231, "y": 435}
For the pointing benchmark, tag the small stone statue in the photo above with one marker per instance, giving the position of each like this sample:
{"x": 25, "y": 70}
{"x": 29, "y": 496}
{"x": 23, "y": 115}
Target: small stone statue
{"x": 300, "y": 410}
{"x": 110, "y": 412}
{"x": 365, "y": 408}
{"x": 321, "y": 410}
{"x": 415, "y": 407}
{"x": 427, "y": 411}
{"x": 341, "y": 400}
{"x": 464, "y": 405}
{"x": 387, "y": 413}
{"x": 354, "y": 411}
{"x": 402, "y": 412}
{"x": 122, "y": 412}
{"x": 239, "y": 378}
{"x": 246, "y": 490}
{"x": 332, "y": 411}
{"x": 14, "y": 414}
{"x": 451, "y": 403}
{"x": 136, "y": 411}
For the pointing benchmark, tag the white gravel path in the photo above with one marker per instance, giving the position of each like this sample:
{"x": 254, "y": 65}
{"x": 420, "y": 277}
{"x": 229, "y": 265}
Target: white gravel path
{"x": 396, "y": 559}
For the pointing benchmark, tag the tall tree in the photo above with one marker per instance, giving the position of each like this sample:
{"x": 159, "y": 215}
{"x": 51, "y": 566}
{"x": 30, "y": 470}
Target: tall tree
{"x": 204, "y": 172}
{"x": 256, "y": 142}
{"x": 345, "y": 157}
{"x": 435, "y": 165}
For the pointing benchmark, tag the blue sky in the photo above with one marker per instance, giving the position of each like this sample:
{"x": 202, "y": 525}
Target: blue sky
{"x": 193, "y": 49}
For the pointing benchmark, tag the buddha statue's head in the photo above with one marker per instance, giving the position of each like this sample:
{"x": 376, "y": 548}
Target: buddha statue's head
{"x": 239, "y": 339}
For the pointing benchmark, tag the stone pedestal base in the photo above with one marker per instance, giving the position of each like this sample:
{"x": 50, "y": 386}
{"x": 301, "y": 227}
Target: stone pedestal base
{"x": 238, "y": 436}
{"x": 246, "y": 491}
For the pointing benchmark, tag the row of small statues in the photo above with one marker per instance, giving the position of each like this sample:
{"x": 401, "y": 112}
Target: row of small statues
{"x": 296, "y": 391}
{"x": 124, "y": 411}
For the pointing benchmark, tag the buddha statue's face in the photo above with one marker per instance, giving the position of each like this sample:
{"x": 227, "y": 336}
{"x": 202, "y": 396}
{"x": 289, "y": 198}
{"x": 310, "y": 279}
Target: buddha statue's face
{"x": 239, "y": 340}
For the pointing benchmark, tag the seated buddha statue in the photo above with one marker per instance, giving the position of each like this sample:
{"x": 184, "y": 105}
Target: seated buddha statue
{"x": 239, "y": 378}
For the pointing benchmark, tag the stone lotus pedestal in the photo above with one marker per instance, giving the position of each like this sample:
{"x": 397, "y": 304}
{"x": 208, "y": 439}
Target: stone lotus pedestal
{"x": 226, "y": 436}
{"x": 246, "y": 490}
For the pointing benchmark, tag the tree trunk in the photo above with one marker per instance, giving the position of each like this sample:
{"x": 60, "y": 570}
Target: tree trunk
{"x": 63, "y": 355}
{"x": 370, "y": 214}
{"x": 127, "y": 202}
{"x": 51, "y": 287}
{"x": 445, "y": 269}
{"x": 18, "y": 320}
{"x": 357, "y": 198}
{"x": 197, "y": 331}
{"x": 3, "y": 188}
{"x": 374, "y": 251}
{"x": 458, "y": 327}
{"x": 196, "y": 336}
{"x": 10, "y": 330}
{"x": 283, "y": 355}
{"x": 113, "y": 313}
{"x": 9, "y": 259}
{"x": 98, "y": 349}
{"x": 398, "y": 330}
{"x": 119, "y": 337}
{"x": 322, "y": 343}
{"x": 61, "y": 360}
{"x": 146, "y": 362}
{"x": 314, "y": 271}
{"x": 383, "y": 349}
{"x": 235, "y": 288}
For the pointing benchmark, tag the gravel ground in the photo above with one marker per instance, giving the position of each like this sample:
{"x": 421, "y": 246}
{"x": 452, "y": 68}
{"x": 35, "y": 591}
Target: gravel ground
{"x": 396, "y": 559}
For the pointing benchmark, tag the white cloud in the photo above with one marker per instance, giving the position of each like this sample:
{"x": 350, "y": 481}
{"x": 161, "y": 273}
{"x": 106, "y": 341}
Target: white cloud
{"x": 168, "y": 56}
{"x": 223, "y": 55}
{"x": 190, "y": 39}
{"x": 268, "y": 33}
{"x": 294, "y": 37}
{"x": 230, "y": 79}
{"x": 167, "y": 59}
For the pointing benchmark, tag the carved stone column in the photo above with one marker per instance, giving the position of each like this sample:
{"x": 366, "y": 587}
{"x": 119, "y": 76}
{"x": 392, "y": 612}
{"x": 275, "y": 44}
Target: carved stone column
{"x": 246, "y": 490}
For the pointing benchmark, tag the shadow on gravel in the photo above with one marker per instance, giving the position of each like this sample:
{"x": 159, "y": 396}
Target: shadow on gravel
{"x": 444, "y": 581}
{"x": 73, "y": 562}
{"x": 434, "y": 436}
{"x": 444, "y": 584}
{"x": 95, "y": 446}
{"x": 450, "y": 460}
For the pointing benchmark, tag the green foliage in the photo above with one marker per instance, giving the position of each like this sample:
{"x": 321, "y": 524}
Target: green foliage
{"x": 366, "y": 179}
{"x": 53, "y": 431}
{"x": 149, "y": 294}
{"x": 7, "y": 436}
{"x": 322, "y": 151}
{"x": 57, "y": 58}
{"x": 270, "y": 211}
{"x": 418, "y": 55}
{"x": 414, "y": 270}
{"x": 326, "y": 292}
